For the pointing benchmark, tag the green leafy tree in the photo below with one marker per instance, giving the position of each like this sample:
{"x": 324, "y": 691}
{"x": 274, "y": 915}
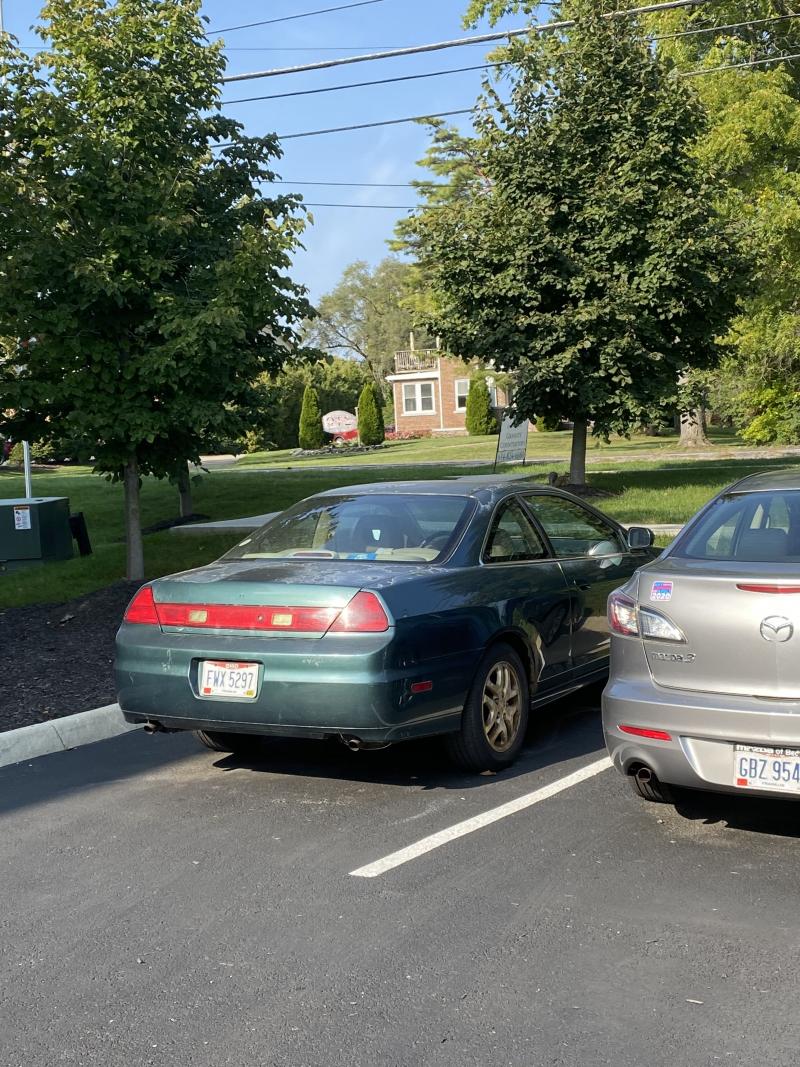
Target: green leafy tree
{"x": 367, "y": 315}
{"x": 148, "y": 264}
{"x": 480, "y": 417}
{"x": 370, "y": 419}
{"x": 311, "y": 433}
{"x": 592, "y": 262}
{"x": 751, "y": 146}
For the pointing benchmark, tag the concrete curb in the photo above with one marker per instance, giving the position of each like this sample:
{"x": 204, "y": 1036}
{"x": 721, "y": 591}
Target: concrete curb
{"x": 60, "y": 735}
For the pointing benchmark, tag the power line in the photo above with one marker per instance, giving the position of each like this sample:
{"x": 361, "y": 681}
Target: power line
{"x": 377, "y": 207}
{"x": 359, "y": 85}
{"x": 302, "y": 15}
{"x": 357, "y": 185}
{"x": 372, "y": 125}
{"x": 738, "y": 66}
{"x": 479, "y": 66}
{"x": 459, "y": 43}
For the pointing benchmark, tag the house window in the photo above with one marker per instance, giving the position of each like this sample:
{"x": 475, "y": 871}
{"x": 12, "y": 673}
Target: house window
{"x": 492, "y": 391}
{"x": 418, "y": 398}
{"x": 462, "y": 391}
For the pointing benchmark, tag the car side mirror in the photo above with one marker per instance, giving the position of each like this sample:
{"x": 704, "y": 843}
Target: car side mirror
{"x": 640, "y": 537}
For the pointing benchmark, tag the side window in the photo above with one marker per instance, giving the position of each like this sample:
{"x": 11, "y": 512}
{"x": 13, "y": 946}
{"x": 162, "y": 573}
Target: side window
{"x": 513, "y": 537}
{"x": 574, "y": 531}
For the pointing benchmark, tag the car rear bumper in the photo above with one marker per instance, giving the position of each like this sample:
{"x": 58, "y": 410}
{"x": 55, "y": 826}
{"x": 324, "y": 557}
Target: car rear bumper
{"x": 343, "y": 685}
{"x": 704, "y": 728}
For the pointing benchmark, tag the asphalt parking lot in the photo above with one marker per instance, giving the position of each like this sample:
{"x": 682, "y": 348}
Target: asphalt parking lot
{"x": 163, "y": 904}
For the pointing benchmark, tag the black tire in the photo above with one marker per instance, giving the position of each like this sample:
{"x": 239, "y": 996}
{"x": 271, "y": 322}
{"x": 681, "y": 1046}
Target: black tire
{"x": 219, "y": 741}
{"x": 484, "y": 742}
{"x": 652, "y": 789}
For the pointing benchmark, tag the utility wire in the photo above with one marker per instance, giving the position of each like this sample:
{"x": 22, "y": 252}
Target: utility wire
{"x": 481, "y": 66}
{"x": 290, "y": 18}
{"x": 356, "y": 185}
{"x": 738, "y": 66}
{"x": 377, "y": 207}
{"x": 372, "y": 125}
{"x": 359, "y": 85}
{"x": 459, "y": 43}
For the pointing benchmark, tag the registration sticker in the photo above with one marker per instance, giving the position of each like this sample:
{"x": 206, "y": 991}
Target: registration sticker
{"x": 661, "y": 591}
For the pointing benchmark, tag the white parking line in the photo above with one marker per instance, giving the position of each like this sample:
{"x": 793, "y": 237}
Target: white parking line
{"x": 477, "y": 822}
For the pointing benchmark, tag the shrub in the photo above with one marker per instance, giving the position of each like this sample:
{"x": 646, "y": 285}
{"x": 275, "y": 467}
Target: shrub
{"x": 480, "y": 416}
{"x": 548, "y": 424}
{"x": 311, "y": 433}
{"x": 370, "y": 417}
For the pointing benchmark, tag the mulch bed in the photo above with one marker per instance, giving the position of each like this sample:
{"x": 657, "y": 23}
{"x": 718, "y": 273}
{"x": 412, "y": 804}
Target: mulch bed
{"x": 58, "y": 658}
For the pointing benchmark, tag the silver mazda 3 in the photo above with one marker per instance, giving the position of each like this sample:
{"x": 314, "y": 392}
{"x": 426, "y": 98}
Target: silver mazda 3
{"x": 704, "y": 689}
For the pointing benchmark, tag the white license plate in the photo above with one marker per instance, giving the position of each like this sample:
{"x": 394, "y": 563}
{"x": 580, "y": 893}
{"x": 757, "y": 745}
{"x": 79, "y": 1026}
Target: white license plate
{"x": 757, "y": 767}
{"x": 220, "y": 678}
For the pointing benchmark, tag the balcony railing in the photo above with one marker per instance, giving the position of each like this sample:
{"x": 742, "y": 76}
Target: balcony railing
{"x": 422, "y": 359}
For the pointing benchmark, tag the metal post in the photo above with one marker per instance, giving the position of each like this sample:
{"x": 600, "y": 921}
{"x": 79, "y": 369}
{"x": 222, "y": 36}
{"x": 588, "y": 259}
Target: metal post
{"x": 26, "y": 462}
{"x": 2, "y": 28}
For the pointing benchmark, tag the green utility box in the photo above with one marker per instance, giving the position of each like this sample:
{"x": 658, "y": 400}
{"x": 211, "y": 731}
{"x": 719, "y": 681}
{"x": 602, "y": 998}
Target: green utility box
{"x": 34, "y": 531}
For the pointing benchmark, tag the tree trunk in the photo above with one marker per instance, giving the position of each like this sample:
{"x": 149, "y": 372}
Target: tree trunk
{"x": 133, "y": 523}
{"x": 693, "y": 429}
{"x": 185, "y": 491}
{"x": 577, "y": 460}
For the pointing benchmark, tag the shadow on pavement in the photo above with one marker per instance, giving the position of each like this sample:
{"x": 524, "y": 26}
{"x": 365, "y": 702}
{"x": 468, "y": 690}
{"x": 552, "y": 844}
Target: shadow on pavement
{"x": 48, "y": 778}
{"x": 778, "y": 817}
{"x": 564, "y": 731}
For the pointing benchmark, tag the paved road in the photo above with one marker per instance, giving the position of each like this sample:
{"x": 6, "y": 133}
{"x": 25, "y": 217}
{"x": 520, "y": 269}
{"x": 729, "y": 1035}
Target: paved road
{"x": 165, "y": 905}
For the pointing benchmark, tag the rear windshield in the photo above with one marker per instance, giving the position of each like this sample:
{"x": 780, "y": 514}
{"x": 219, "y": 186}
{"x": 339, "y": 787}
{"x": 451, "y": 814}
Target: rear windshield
{"x": 750, "y": 527}
{"x": 393, "y": 529}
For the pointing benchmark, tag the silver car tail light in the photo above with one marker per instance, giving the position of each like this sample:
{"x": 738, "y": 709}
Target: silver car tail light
{"x": 622, "y": 615}
{"x": 657, "y": 626}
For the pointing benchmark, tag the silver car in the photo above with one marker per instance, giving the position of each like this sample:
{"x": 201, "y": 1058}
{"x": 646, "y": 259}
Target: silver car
{"x": 704, "y": 689}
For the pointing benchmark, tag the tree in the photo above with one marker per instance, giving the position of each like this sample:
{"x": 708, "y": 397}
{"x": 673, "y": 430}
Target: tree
{"x": 592, "y": 262}
{"x": 370, "y": 420}
{"x": 751, "y": 145}
{"x": 480, "y": 417}
{"x": 311, "y": 433}
{"x": 366, "y": 315}
{"x": 148, "y": 263}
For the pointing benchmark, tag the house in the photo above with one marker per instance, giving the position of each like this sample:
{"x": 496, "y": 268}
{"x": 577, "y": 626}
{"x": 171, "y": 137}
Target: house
{"x": 430, "y": 391}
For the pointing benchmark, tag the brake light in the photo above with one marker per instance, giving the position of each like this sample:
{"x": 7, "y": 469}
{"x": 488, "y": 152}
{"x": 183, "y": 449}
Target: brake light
{"x": 769, "y": 588}
{"x": 363, "y": 615}
{"x": 641, "y": 731}
{"x": 142, "y": 609}
{"x": 247, "y": 617}
{"x": 622, "y": 615}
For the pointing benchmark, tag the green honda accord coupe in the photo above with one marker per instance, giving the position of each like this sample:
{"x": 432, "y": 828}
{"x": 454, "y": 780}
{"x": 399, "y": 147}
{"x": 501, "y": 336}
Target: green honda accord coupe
{"x": 378, "y": 613}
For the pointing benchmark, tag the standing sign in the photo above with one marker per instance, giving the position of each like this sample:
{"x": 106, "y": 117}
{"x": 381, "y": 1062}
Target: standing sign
{"x": 339, "y": 422}
{"x": 512, "y": 444}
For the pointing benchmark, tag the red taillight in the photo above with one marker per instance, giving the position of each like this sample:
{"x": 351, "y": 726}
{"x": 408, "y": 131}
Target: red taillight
{"x": 247, "y": 617}
{"x": 363, "y": 615}
{"x": 142, "y": 608}
{"x": 769, "y": 588}
{"x": 641, "y": 731}
{"x": 622, "y": 615}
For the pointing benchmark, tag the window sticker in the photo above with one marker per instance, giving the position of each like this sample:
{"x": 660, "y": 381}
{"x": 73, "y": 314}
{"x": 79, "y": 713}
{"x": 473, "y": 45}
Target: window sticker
{"x": 661, "y": 591}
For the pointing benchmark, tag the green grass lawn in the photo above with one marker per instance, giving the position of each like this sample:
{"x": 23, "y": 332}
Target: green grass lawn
{"x": 668, "y": 491}
{"x": 477, "y": 449}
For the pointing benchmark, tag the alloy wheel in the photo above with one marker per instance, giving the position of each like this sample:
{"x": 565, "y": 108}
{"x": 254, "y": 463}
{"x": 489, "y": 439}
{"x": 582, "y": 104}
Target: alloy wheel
{"x": 502, "y": 706}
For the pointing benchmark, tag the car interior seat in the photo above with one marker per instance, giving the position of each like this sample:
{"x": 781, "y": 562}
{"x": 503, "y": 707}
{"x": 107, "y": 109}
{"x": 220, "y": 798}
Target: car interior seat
{"x": 501, "y": 545}
{"x": 762, "y": 545}
{"x": 377, "y": 531}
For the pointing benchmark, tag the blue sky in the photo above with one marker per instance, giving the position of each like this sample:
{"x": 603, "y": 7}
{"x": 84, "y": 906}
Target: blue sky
{"x": 338, "y": 235}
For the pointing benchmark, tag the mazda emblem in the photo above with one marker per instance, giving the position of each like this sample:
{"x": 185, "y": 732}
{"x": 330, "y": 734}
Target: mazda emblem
{"x": 777, "y": 629}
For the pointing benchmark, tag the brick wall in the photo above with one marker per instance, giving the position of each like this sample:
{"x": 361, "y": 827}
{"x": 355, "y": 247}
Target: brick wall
{"x": 446, "y": 417}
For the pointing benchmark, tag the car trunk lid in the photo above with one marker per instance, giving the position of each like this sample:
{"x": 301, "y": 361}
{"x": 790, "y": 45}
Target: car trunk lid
{"x": 741, "y": 624}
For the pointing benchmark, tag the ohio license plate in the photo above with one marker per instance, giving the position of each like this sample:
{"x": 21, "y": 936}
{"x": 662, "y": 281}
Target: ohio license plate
{"x": 757, "y": 767}
{"x": 220, "y": 678}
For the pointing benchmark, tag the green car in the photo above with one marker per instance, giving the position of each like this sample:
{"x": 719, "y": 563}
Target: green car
{"x": 384, "y": 612}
